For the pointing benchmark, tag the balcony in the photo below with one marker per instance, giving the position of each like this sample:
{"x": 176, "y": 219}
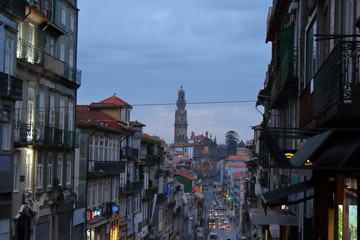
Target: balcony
{"x": 333, "y": 98}
{"x": 33, "y": 55}
{"x": 42, "y": 7}
{"x": 161, "y": 197}
{"x": 285, "y": 79}
{"x": 29, "y": 52}
{"x": 10, "y": 86}
{"x": 131, "y": 187}
{"x": 149, "y": 193}
{"x": 16, "y": 7}
{"x": 109, "y": 166}
{"x": 151, "y": 160}
{"x": 23, "y": 133}
{"x": 130, "y": 153}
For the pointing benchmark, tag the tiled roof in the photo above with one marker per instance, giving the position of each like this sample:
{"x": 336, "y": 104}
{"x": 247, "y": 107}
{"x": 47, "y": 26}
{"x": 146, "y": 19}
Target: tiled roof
{"x": 137, "y": 124}
{"x": 85, "y": 115}
{"x": 237, "y": 166}
{"x": 242, "y": 157}
{"x": 110, "y": 102}
{"x": 198, "y": 138}
{"x": 197, "y": 189}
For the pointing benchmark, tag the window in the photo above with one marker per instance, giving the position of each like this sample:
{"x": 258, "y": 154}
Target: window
{"x": 62, "y": 52}
{"x": 39, "y": 176}
{"x": 16, "y": 174}
{"x": 41, "y": 114}
{"x": 49, "y": 174}
{"x": 68, "y": 170}
{"x": 96, "y": 153}
{"x": 52, "y": 111}
{"x": 206, "y": 150}
{"x": 9, "y": 55}
{"x": 17, "y": 120}
{"x": 71, "y": 58}
{"x": 52, "y": 46}
{"x": 311, "y": 51}
{"x": 100, "y": 194}
{"x": 62, "y": 114}
{"x": 30, "y": 107}
{"x": 94, "y": 196}
{"x": 106, "y": 150}
{"x": 72, "y": 23}
{"x": 28, "y": 171}
{"x": 6, "y": 133}
{"x": 31, "y": 41}
{"x": 60, "y": 169}
{"x": 71, "y": 116}
{"x": 63, "y": 16}
{"x": 101, "y": 153}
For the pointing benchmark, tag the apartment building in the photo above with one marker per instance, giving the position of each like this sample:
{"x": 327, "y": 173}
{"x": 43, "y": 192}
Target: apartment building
{"x": 11, "y": 13}
{"x": 308, "y": 142}
{"x": 41, "y": 82}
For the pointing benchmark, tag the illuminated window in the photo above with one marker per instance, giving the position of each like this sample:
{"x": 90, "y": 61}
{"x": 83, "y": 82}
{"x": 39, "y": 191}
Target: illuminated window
{"x": 206, "y": 150}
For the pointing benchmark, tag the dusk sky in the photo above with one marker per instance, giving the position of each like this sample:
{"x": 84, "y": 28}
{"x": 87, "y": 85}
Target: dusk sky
{"x": 144, "y": 50}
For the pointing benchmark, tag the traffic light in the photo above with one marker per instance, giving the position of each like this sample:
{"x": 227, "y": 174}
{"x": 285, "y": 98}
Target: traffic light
{"x": 229, "y": 198}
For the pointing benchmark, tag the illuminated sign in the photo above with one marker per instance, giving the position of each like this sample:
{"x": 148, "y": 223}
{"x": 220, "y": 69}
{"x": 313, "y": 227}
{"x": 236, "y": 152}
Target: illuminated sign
{"x": 289, "y": 155}
{"x": 97, "y": 213}
{"x": 115, "y": 208}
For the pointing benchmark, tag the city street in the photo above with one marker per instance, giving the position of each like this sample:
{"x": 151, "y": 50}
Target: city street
{"x": 222, "y": 233}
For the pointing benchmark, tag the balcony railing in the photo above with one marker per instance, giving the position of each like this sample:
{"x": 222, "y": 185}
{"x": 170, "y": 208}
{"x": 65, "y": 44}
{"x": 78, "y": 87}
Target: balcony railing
{"x": 23, "y": 132}
{"x": 337, "y": 81}
{"x": 29, "y": 52}
{"x": 161, "y": 197}
{"x": 35, "y": 55}
{"x": 128, "y": 152}
{"x": 42, "y": 6}
{"x": 10, "y": 86}
{"x": 131, "y": 187}
{"x": 113, "y": 166}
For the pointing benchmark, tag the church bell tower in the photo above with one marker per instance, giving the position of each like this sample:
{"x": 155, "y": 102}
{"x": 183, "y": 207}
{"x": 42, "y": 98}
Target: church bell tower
{"x": 181, "y": 119}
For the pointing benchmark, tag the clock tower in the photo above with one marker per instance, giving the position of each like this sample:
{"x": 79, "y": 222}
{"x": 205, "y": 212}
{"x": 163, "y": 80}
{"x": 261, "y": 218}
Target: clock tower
{"x": 181, "y": 119}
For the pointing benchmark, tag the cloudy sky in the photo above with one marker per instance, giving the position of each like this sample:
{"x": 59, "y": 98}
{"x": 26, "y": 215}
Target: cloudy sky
{"x": 144, "y": 50}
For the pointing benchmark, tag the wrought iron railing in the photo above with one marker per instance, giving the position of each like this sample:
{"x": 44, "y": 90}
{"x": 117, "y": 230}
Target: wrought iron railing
{"x": 35, "y": 55}
{"x": 338, "y": 78}
{"x": 29, "y": 52}
{"x": 128, "y": 152}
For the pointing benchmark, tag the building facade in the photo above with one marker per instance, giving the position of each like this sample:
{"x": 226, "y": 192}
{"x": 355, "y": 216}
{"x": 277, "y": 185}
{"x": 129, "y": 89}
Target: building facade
{"x": 304, "y": 157}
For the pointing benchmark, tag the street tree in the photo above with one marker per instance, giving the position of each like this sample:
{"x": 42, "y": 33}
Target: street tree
{"x": 231, "y": 141}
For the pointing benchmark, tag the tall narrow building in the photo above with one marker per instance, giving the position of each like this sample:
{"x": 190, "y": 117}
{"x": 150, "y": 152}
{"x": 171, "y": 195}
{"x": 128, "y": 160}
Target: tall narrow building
{"x": 180, "y": 119}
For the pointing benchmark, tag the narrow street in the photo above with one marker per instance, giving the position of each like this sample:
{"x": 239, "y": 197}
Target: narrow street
{"x": 223, "y": 231}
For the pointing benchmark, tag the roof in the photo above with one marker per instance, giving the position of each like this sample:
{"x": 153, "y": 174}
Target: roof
{"x": 237, "y": 166}
{"x": 239, "y": 175}
{"x": 110, "y": 102}
{"x": 197, "y": 138}
{"x": 86, "y": 116}
{"x": 185, "y": 175}
{"x": 197, "y": 189}
{"x": 237, "y": 157}
{"x": 137, "y": 124}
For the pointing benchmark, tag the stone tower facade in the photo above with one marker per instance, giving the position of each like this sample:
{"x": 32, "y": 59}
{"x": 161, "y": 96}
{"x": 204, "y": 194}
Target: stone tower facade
{"x": 181, "y": 119}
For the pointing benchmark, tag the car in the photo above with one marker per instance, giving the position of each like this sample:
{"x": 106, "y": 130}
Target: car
{"x": 222, "y": 226}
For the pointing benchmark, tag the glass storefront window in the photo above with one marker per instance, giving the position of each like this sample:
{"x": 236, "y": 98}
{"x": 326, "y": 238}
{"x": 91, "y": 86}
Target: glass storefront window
{"x": 347, "y": 212}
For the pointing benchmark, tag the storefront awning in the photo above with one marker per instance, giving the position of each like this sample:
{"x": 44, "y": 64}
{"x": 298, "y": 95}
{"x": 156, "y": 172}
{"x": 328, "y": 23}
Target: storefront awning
{"x": 310, "y": 147}
{"x": 339, "y": 152}
{"x": 280, "y": 196}
{"x": 273, "y": 217}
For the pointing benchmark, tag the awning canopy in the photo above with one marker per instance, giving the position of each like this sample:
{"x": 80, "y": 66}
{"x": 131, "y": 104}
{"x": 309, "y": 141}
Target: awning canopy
{"x": 281, "y": 196}
{"x": 333, "y": 149}
{"x": 273, "y": 217}
{"x": 340, "y": 152}
{"x": 310, "y": 147}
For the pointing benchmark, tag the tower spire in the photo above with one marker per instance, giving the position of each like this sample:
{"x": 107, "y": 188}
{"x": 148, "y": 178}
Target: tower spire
{"x": 180, "y": 125}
